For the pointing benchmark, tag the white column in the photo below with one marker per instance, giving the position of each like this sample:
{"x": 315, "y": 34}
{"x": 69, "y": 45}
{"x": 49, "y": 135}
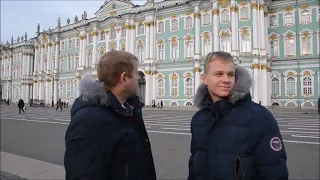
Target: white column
{"x": 197, "y": 79}
{"x": 41, "y": 58}
{"x": 255, "y": 29}
{"x": 27, "y": 94}
{"x": 118, "y": 37}
{"x": 30, "y": 93}
{"x": 10, "y": 66}
{"x": 269, "y": 84}
{"x": 55, "y": 95}
{"x": 94, "y": 60}
{"x": 34, "y": 91}
{"x": 152, "y": 41}
{"x": 57, "y": 64}
{"x": 266, "y": 30}
{"x": 262, "y": 30}
{"x": 24, "y": 64}
{"x": 6, "y": 89}
{"x": 133, "y": 37}
{"x": 29, "y": 65}
{"x": 36, "y": 51}
{"x": 234, "y": 29}
{"x": 128, "y": 27}
{"x": 154, "y": 85}
{"x": 107, "y": 40}
{"x": 264, "y": 85}
{"x": 10, "y": 90}
{"x": 147, "y": 43}
{"x": 216, "y": 23}
{"x": 256, "y": 92}
{"x": 84, "y": 51}
{"x": 5, "y": 61}
{"x": 49, "y": 57}
{"x": 47, "y": 91}
{"x": 148, "y": 89}
{"x": 41, "y": 89}
{"x": 197, "y": 32}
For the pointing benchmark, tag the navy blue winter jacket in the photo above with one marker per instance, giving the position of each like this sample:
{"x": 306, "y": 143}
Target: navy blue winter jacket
{"x": 106, "y": 141}
{"x": 235, "y": 138}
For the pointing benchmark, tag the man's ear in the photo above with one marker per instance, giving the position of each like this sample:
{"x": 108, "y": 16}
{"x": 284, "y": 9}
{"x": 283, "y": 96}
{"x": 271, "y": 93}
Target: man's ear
{"x": 204, "y": 79}
{"x": 123, "y": 77}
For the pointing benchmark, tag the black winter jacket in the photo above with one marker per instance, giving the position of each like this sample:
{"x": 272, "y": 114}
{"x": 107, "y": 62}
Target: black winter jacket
{"x": 235, "y": 138}
{"x": 104, "y": 140}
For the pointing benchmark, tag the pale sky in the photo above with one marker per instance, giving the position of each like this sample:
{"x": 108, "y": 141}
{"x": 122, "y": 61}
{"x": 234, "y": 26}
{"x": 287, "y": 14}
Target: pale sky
{"x": 18, "y": 17}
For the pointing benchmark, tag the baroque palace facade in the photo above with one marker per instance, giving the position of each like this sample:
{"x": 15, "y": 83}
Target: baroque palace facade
{"x": 276, "y": 41}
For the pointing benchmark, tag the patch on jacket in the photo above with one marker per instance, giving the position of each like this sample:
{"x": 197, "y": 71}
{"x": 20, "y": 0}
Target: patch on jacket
{"x": 276, "y": 144}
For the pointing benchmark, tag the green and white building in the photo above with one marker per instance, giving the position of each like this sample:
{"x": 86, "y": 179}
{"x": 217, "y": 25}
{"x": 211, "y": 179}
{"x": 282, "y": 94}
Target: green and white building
{"x": 276, "y": 41}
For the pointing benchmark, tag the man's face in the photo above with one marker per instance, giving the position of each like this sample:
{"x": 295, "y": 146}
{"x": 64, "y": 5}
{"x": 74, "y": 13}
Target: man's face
{"x": 132, "y": 82}
{"x": 220, "y": 79}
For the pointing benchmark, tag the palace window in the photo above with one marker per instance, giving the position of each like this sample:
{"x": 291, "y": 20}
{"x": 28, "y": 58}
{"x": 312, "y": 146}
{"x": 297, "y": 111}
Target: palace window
{"x": 69, "y": 44}
{"x": 44, "y": 65}
{"x": 77, "y": 42}
{"x": 188, "y": 22}
{"x": 75, "y": 88}
{"x": 275, "y": 86}
{"x": 174, "y": 25}
{"x": 226, "y": 42}
{"x": 273, "y": 21}
{"x": 289, "y": 44}
{"x": 274, "y": 45}
{"x": 291, "y": 86}
{"x": 225, "y": 16}
{"x": 113, "y": 34}
{"x": 62, "y": 45}
{"x": 245, "y": 38}
{"x": 160, "y": 90}
{"x": 69, "y": 62}
{"x": 123, "y": 32}
{"x": 89, "y": 57}
{"x": 90, "y": 38}
{"x": 77, "y": 59}
{"x": 189, "y": 46}
{"x": 101, "y": 51}
{"x": 102, "y": 36}
{"x": 174, "y": 49}
{"x": 61, "y": 65}
{"x": 160, "y": 27}
{"x": 305, "y": 17}
{"x": 306, "y": 43}
{"x": 140, "y": 29}
{"x": 307, "y": 85}
{"x": 123, "y": 46}
{"x": 206, "y": 21}
{"x": 160, "y": 50}
{"x": 60, "y": 89}
{"x": 244, "y": 13}
{"x": 140, "y": 50}
{"x": 68, "y": 89}
{"x": 174, "y": 83}
{"x": 206, "y": 45}
{"x": 189, "y": 86}
{"x": 288, "y": 19}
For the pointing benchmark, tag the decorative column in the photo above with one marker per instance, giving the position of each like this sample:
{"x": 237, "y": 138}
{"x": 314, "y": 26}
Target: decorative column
{"x": 269, "y": 84}
{"x": 147, "y": 43}
{"x": 81, "y": 63}
{"x": 132, "y": 36}
{"x": 56, "y": 65}
{"x": 55, "y": 90}
{"x": 5, "y": 67}
{"x": 128, "y": 27}
{"x": 10, "y": 66}
{"x": 27, "y": 94}
{"x": 154, "y": 85}
{"x": 264, "y": 84}
{"x": 216, "y": 23}
{"x": 49, "y": 60}
{"x": 41, "y": 89}
{"x": 84, "y": 50}
{"x": 152, "y": 41}
{"x": 36, "y": 65}
{"x": 47, "y": 90}
{"x": 234, "y": 29}
{"x": 256, "y": 93}
{"x": 24, "y": 63}
{"x": 255, "y": 29}
{"x": 262, "y": 30}
{"x": 107, "y": 40}
{"x": 118, "y": 37}
{"x": 34, "y": 91}
{"x": 197, "y": 32}
{"x": 266, "y": 31}
{"x": 29, "y": 64}
{"x": 94, "y": 60}
{"x": 148, "y": 85}
{"x": 197, "y": 79}
{"x": 41, "y": 57}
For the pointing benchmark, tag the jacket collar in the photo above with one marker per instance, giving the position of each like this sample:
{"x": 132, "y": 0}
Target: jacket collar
{"x": 240, "y": 91}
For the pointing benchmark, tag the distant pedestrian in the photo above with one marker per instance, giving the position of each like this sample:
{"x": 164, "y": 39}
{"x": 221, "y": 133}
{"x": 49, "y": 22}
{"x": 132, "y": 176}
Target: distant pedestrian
{"x": 21, "y": 106}
{"x": 233, "y": 137}
{"x": 106, "y": 138}
{"x": 260, "y": 102}
{"x": 59, "y": 104}
{"x": 161, "y": 104}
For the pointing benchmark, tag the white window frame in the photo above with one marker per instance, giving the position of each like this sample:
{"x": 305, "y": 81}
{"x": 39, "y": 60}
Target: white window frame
{"x": 68, "y": 88}
{"x": 113, "y": 34}
{"x": 69, "y": 44}
{"x": 310, "y": 16}
{"x": 222, "y": 41}
{"x": 203, "y": 45}
{"x": 102, "y": 36}
{"x": 161, "y": 76}
{"x": 75, "y": 88}
{"x": 203, "y": 19}
{"x": 76, "y": 62}
{"x": 276, "y": 20}
{"x": 318, "y": 43}
{"x": 185, "y": 22}
{"x": 140, "y": 27}
{"x": 178, "y": 83}
{"x": 60, "y": 88}
{"x": 174, "y": 30}
{"x": 311, "y": 41}
{"x": 285, "y": 82}
{"x": 171, "y": 48}
{"x": 69, "y": 62}
{"x": 185, "y": 83}
{"x": 142, "y": 58}
{"x": 302, "y": 76}
{"x": 241, "y": 18}
{"x": 278, "y": 44}
{"x": 285, "y": 23}
{"x": 77, "y": 42}
{"x": 158, "y": 49}
{"x": 249, "y": 41}
{"x": 221, "y": 16}
{"x": 276, "y": 74}
{"x": 163, "y": 27}
{"x": 275, "y": 86}
{"x": 285, "y": 44}
{"x": 186, "y": 47}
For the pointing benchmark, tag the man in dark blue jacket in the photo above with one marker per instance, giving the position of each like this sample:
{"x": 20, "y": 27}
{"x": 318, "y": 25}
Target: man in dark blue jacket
{"x": 233, "y": 137}
{"x": 107, "y": 138}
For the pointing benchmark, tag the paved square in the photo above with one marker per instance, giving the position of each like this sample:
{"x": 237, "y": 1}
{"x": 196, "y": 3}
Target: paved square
{"x": 39, "y": 134}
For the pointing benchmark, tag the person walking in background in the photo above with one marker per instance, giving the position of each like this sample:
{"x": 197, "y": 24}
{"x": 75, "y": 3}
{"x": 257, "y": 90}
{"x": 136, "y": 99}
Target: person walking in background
{"x": 232, "y": 136}
{"x": 21, "y": 106}
{"x": 59, "y": 104}
{"x": 106, "y": 138}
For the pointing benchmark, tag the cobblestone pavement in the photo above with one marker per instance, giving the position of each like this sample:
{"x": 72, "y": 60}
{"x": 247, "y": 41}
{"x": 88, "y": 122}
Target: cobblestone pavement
{"x": 8, "y": 176}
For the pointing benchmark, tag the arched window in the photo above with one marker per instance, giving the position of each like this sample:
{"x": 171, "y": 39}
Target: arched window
{"x": 206, "y": 45}
{"x": 69, "y": 62}
{"x": 113, "y": 34}
{"x": 306, "y": 41}
{"x": 189, "y": 86}
{"x": 89, "y": 57}
{"x": 160, "y": 27}
{"x": 226, "y": 42}
{"x": 60, "y": 89}
{"x": 288, "y": 19}
{"x": 305, "y": 17}
{"x": 102, "y": 36}
{"x": 244, "y": 13}
{"x": 174, "y": 49}
{"x": 275, "y": 86}
{"x": 160, "y": 50}
{"x": 68, "y": 89}
{"x": 307, "y": 85}
{"x": 160, "y": 87}
{"x": 77, "y": 59}
{"x": 274, "y": 45}
{"x": 225, "y": 16}
{"x": 90, "y": 38}
{"x": 188, "y": 22}
{"x": 123, "y": 32}
{"x": 206, "y": 19}
{"x": 174, "y": 86}
{"x": 245, "y": 41}
{"x": 291, "y": 86}
{"x": 69, "y": 44}
{"x": 174, "y": 25}
{"x": 140, "y": 49}
{"x": 273, "y": 22}
{"x": 140, "y": 29}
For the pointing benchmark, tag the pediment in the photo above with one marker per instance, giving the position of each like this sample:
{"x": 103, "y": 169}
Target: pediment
{"x": 43, "y": 37}
{"x": 114, "y": 7}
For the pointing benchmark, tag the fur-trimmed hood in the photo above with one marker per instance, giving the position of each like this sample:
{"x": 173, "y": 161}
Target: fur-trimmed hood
{"x": 241, "y": 88}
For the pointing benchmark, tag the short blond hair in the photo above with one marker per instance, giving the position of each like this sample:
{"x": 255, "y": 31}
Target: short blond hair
{"x": 112, "y": 64}
{"x": 218, "y": 55}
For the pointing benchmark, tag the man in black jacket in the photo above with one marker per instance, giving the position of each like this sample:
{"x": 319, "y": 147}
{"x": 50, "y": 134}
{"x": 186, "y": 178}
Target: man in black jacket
{"x": 107, "y": 138}
{"x": 232, "y": 136}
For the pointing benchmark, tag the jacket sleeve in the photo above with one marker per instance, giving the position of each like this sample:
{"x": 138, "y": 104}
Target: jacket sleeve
{"x": 193, "y": 151}
{"x": 88, "y": 149}
{"x": 270, "y": 154}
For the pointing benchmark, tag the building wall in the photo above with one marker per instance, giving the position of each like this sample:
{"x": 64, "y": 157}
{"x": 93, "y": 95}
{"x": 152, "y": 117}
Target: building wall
{"x": 174, "y": 53}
